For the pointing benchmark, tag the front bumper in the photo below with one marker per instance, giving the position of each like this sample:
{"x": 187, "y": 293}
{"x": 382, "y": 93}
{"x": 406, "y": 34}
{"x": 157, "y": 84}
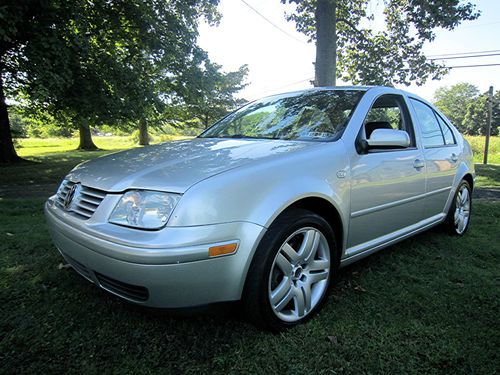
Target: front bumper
{"x": 178, "y": 274}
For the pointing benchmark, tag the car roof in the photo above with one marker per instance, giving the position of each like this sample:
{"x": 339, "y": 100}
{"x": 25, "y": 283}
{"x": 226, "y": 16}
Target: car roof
{"x": 364, "y": 88}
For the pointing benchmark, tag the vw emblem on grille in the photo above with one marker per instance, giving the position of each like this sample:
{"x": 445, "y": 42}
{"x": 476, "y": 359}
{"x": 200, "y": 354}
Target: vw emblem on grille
{"x": 69, "y": 197}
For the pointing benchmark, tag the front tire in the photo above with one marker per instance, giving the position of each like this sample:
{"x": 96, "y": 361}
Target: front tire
{"x": 458, "y": 219}
{"x": 291, "y": 271}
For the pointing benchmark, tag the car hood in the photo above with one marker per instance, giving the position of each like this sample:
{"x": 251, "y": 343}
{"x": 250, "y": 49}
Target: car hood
{"x": 175, "y": 166}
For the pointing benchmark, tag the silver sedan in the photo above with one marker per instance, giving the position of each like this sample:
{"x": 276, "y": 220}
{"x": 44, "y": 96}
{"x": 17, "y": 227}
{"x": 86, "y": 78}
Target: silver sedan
{"x": 267, "y": 204}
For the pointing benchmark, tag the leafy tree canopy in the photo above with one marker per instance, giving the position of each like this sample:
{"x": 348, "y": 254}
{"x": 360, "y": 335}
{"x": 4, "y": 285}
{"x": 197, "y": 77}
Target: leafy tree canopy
{"x": 97, "y": 62}
{"x": 467, "y": 108}
{"x": 475, "y": 121}
{"x": 390, "y": 56}
{"x": 453, "y": 101}
{"x": 210, "y": 93}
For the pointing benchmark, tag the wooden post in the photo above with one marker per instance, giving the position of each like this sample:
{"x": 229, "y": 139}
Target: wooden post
{"x": 488, "y": 126}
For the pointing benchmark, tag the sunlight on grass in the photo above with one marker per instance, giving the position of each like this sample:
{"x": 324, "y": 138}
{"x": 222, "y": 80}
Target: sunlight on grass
{"x": 32, "y": 147}
{"x": 487, "y": 175}
{"x": 477, "y": 144}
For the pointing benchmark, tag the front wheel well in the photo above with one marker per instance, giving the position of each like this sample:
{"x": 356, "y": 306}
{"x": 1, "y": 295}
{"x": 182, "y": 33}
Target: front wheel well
{"x": 469, "y": 179}
{"x": 324, "y": 209}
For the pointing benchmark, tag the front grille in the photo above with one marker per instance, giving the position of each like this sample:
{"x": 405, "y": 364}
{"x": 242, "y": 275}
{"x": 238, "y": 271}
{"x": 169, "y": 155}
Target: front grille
{"x": 129, "y": 291}
{"x": 84, "y": 202}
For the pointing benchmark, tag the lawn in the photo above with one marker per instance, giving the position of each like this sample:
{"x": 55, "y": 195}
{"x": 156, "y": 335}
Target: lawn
{"x": 477, "y": 144}
{"x": 429, "y": 305}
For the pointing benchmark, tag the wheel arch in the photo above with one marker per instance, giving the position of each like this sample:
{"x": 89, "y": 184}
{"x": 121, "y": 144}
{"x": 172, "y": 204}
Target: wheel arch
{"x": 327, "y": 211}
{"x": 468, "y": 177}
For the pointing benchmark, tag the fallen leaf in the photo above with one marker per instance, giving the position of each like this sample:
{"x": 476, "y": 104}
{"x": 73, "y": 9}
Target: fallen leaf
{"x": 359, "y": 288}
{"x": 9, "y": 234}
{"x": 63, "y": 266}
{"x": 333, "y": 340}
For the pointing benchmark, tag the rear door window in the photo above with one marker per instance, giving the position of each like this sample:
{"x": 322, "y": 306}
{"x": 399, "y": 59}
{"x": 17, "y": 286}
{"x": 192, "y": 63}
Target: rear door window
{"x": 432, "y": 136}
{"x": 449, "y": 139}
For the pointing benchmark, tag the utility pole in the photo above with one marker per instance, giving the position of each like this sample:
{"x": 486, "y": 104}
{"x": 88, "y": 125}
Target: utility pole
{"x": 488, "y": 126}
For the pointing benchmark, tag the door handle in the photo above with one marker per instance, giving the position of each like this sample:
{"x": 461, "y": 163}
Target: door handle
{"x": 454, "y": 158}
{"x": 417, "y": 164}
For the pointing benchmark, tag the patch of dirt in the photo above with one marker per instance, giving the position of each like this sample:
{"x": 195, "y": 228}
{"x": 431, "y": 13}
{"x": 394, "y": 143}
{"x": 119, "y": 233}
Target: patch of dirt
{"x": 491, "y": 194}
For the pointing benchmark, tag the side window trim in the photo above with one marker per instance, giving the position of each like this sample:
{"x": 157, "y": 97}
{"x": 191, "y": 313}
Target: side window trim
{"x": 406, "y": 118}
{"x": 441, "y": 120}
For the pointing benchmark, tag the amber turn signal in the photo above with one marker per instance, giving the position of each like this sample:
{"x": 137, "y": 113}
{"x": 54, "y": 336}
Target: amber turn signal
{"x": 215, "y": 251}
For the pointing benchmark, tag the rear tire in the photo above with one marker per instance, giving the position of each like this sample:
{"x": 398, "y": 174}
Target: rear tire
{"x": 458, "y": 219}
{"x": 291, "y": 272}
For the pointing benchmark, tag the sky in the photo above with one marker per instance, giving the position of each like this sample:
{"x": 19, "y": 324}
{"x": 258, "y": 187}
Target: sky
{"x": 281, "y": 60}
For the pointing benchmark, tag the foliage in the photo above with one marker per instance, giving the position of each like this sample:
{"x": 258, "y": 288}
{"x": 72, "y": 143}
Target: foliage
{"x": 476, "y": 117}
{"x": 38, "y": 124}
{"x": 453, "y": 102}
{"x": 393, "y": 55}
{"x": 209, "y": 92}
{"x": 467, "y": 109}
{"x": 97, "y": 62}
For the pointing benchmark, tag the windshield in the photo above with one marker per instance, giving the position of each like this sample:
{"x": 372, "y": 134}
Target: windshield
{"x": 310, "y": 115}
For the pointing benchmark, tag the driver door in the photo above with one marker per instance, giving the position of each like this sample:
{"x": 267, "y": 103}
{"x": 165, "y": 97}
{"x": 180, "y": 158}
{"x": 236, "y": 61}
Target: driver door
{"x": 386, "y": 184}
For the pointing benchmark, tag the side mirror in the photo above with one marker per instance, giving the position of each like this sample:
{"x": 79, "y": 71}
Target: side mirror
{"x": 388, "y": 138}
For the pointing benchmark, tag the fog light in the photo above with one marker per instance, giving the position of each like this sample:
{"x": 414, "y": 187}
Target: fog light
{"x": 215, "y": 251}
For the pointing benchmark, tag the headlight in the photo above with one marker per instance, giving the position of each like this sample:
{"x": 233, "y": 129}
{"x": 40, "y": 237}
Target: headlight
{"x": 144, "y": 209}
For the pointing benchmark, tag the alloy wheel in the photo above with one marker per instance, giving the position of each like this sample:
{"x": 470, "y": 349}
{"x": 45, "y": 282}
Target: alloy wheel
{"x": 462, "y": 209}
{"x": 299, "y": 274}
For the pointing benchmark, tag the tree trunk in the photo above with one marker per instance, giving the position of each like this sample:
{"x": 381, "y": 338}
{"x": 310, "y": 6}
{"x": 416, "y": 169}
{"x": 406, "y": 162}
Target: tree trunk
{"x": 326, "y": 43}
{"x": 7, "y": 151}
{"x": 206, "y": 121}
{"x": 143, "y": 132}
{"x": 86, "y": 142}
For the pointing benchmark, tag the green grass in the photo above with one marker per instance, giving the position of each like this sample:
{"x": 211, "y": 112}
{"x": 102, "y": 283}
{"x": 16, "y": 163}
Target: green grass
{"x": 429, "y": 305}
{"x": 477, "y": 144}
{"x": 37, "y": 147}
{"x": 488, "y": 176}
{"x": 52, "y": 159}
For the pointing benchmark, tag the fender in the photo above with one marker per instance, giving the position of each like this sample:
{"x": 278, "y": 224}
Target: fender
{"x": 257, "y": 192}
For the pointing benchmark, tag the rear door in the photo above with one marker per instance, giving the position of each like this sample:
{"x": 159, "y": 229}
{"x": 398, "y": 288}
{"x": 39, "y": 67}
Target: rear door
{"x": 386, "y": 184}
{"x": 441, "y": 154}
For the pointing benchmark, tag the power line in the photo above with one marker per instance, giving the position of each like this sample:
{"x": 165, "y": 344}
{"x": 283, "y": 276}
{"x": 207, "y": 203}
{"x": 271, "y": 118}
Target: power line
{"x": 273, "y": 24}
{"x": 471, "y": 66}
{"x": 464, "y": 53}
{"x": 285, "y": 86}
{"x": 464, "y": 57}
{"x": 479, "y": 25}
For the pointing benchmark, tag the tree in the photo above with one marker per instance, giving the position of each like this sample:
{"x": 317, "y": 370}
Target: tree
{"x": 209, "y": 94}
{"x": 453, "y": 102}
{"x": 346, "y": 48}
{"x": 476, "y": 117}
{"x": 95, "y": 62}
